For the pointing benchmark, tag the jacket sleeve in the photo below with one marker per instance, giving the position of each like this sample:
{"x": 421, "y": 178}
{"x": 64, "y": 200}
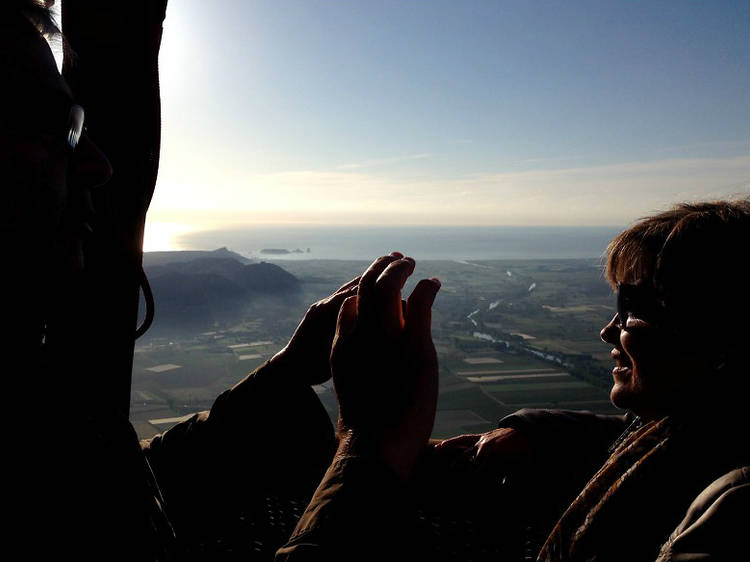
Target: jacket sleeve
{"x": 716, "y": 524}
{"x": 549, "y": 429}
{"x": 359, "y": 512}
{"x": 264, "y": 436}
{"x": 567, "y": 448}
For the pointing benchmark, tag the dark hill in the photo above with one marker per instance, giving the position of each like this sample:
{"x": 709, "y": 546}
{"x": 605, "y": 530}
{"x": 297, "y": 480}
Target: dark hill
{"x": 162, "y": 258}
{"x": 266, "y": 277}
{"x": 253, "y": 277}
{"x": 201, "y": 288}
{"x": 224, "y": 267}
{"x": 197, "y": 290}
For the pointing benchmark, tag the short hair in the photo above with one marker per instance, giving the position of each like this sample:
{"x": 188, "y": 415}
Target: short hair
{"x": 696, "y": 256}
{"x": 38, "y": 12}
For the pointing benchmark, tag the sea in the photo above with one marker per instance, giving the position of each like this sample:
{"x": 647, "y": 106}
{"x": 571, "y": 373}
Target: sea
{"x": 342, "y": 242}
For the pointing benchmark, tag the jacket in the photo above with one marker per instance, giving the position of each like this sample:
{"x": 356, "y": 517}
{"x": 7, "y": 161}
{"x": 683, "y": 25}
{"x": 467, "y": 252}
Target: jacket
{"x": 702, "y": 485}
{"x": 83, "y": 485}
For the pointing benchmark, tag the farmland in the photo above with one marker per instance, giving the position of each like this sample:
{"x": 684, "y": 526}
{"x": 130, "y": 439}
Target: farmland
{"x": 508, "y": 334}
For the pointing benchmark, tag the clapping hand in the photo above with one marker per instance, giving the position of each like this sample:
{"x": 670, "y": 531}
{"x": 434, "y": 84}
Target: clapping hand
{"x": 384, "y": 366}
{"x": 306, "y": 357}
{"x": 492, "y": 454}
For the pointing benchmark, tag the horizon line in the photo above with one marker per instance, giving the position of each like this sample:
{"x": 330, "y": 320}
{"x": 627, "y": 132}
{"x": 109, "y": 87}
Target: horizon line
{"x": 233, "y": 225}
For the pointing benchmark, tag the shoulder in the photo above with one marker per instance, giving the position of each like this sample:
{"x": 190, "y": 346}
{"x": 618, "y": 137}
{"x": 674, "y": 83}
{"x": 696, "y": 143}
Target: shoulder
{"x": 716, "y": 524}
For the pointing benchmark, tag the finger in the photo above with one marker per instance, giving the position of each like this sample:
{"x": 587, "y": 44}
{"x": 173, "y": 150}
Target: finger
{"x": 387, "y": 296}
{"x": 459, "y": 442}
{"x": 419, "y": 309}
{"x": 347, "y": 318}
{"x": 345, "y": 325}
{"x": 367, "y": 282}
{"x": 348, "y": 285}
{"x": 334, "y": 301}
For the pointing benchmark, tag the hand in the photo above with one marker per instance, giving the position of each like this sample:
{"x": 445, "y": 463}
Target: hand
{"x": 307, "y": 355}
{"x": 384, "y": 366}
{"x": 490, "y": 454}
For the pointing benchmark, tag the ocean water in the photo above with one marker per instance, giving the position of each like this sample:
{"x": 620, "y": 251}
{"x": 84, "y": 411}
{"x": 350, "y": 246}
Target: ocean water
{"x": 421, "y": 242}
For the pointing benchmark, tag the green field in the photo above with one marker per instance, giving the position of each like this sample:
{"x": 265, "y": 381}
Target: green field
{"x": 559, "y": 320}
{"x": 534, "y": 387}
{"x": 549, "y": 395}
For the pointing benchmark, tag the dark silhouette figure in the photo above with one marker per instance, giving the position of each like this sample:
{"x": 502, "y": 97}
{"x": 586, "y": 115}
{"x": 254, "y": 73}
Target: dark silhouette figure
{"x": 80, "y": 484}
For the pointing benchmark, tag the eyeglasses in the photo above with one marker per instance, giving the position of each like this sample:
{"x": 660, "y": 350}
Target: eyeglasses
{"x": 50, "y": 116}
{"x": 642, "y": 302}
{"x": 75, "y": 126}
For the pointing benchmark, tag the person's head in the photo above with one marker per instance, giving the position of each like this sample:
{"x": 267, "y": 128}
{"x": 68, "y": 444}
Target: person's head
{"x": 683, "y": 305}
{"x": 45, "y": 180}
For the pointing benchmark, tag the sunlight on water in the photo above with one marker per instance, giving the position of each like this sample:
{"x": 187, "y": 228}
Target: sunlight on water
{"x": 164, "y": 236}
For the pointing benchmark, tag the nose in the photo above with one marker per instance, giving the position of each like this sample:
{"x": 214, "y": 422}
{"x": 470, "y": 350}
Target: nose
{"x": 611, "y": 332}
{"x": 90, "y": 168}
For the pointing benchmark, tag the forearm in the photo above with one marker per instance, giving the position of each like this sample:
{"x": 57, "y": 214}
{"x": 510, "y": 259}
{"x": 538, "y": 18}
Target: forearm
{"x": 357, "y": 513}
{"x": 566, "y": 448}
{"x": 261, "y": 436}
{"x": 360, "y": 511}
{"x": 549, "y": 430}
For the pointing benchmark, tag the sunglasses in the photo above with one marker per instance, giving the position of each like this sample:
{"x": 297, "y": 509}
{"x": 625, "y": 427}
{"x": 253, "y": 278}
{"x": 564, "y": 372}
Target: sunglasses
{"x": 75, "y": 126}
{"x": 642, "y": 302}
{"x": 52, "y": 116}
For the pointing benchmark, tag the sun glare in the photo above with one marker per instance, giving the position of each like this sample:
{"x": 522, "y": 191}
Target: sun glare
{"x": 163, "y": 236}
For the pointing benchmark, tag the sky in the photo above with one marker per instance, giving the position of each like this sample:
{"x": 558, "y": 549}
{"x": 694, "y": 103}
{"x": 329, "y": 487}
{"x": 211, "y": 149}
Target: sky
{"x": 449, "y": 112}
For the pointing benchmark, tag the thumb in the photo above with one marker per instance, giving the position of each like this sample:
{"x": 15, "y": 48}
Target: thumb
{"x": 419, "y": 309}
{"x": 345, "y": 325}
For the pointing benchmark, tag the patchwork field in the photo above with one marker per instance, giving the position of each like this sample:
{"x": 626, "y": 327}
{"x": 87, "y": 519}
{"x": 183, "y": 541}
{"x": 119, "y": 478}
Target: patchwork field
{"x": 504, "y": 341}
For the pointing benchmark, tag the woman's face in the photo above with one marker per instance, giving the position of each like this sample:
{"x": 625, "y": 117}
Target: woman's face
{"x": 46, "y": 186}
{"x": 658, "y": 364}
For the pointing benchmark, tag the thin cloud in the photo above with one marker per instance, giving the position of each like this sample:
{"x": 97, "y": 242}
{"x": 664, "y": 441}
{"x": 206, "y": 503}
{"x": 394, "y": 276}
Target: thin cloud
{"x": 597, "y": 195}
{"x": 383, "y": 161}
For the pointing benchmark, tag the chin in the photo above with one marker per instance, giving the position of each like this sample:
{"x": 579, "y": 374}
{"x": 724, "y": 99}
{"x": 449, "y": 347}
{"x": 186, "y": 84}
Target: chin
{"x": 615, "y": 396}
{"x": 632, "y": 400}
{"x": 623, "y": 397}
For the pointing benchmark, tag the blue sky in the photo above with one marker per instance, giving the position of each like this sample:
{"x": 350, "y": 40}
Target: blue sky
{"x": 462, "y": 112}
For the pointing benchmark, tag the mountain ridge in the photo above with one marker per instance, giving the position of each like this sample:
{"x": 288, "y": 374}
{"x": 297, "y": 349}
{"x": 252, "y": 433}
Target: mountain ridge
{"x": 194, "y": 289}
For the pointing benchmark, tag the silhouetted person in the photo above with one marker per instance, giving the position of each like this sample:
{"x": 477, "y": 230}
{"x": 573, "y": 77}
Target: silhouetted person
{"x": 80, "y": 484}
